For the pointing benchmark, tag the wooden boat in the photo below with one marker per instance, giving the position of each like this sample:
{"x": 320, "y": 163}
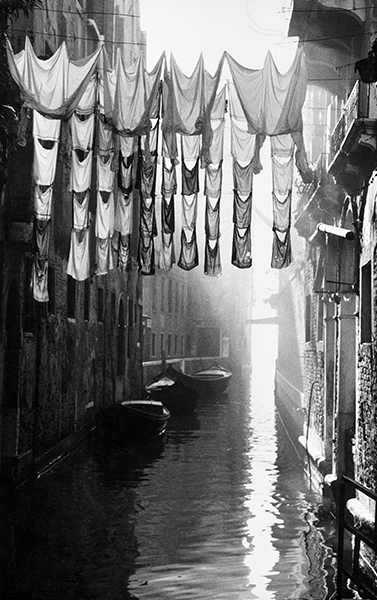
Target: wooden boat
{"x": 134, "y": 419}
{"x": 169, "y": 388}
{"x": 213, "y": 380}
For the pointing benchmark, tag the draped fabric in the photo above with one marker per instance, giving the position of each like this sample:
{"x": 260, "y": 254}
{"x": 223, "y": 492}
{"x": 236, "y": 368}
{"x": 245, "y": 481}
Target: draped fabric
{"x": 80, "y": 202}
{"x": 212, "y": 262}
{"x": 95, "y": 114}
{"x": 190, "y": 179}
{"x": 242, "y": 210}
{"x": 124, "y": 253}
{"x": 213, "y": 180}
{"x": 212, "y": 219}
{"x": 188, "y": 258}
{"x": 189, "y": 211}
{"x": 187, "y": 105}
{"x": 167, "y": 253}
{"x": 79, "y": 261}
{"x": 169, "y": 179}
{"x": 135, "y": 100}
{"x": 167, "y": 215}
{"x": 282, "y": 148}
{"x": 53, "y": 86}
{"x": 241, "y": 248}
{"x": 43, "y": 201}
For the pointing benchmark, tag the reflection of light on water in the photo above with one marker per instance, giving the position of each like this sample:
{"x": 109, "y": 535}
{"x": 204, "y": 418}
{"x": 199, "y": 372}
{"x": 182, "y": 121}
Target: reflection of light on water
{"x": 262, "y": 472}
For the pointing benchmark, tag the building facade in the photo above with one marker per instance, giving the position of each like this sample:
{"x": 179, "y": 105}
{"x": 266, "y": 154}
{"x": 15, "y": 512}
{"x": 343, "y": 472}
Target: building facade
{"x": 63, "y": 360}
{"x": 329, "y": 395}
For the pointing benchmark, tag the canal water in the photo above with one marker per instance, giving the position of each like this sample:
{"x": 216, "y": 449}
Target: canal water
{"x": 219, "y": 508}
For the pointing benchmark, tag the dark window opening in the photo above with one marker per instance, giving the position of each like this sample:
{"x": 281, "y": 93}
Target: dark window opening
{"x": 100, "y": 305}
{"x": 86, "y": 299}
{"x": 366, "y": 304}
{"x": 71, "y": 297}
{"x": 121, "y": 338}
{"x": 51, "y": 290}
{"x": 308, "y": 317}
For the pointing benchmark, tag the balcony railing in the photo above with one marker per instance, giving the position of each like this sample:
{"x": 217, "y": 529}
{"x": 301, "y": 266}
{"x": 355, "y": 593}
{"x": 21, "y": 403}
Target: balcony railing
{"x": 361, "y": 104}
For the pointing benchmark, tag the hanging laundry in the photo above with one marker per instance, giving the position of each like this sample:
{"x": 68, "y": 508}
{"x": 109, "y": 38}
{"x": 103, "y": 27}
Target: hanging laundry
{"x": 105, "y": 174}
{"x": 281, "y": 250}
{"x": 146, "y": 255}
{"x": 53, "y": 86}
{"x": 213, "y": 180}
{"x": 39, "y": 279}
{"x": 79, "y": 258}
{"x": 212, "y": 219}
{"x": 123, "y": 213}
{"x": 104, "y": 256}
{"x": 212, "y": 261}
{"x": 241, "y": 248}
{"x": 189, "y": 257}
{"x": 167, "y": 252}
{"x": 242, "y": 143}
{"x": 216, "y": 151}
{"x": 82, "y": 131}
{"x": 243, "y": 178}
{"x": 125, "y": 174}
{"x": 80, "y": 203}
{"x": 81, "y": 170}
{"x": 105, "y": 141}
{"x": 105, "y": 214}
{"x": 148, "y": 224}
{"x": 46, "y": 129}
{"x": 169, "y": 179}
{"x": 190, "y": 147}
{"x": 241, "y": 210}
{"x": 43, "y": 201}
{"x": 190, "y": 179}
{"x": 148, "y": 161}
{"x": 189, "y": 211}
{"x": 136, "y": 98}
{"x": 42, "y": 235}
{"x": 124, "y": 253}
{"x": 167, "y": 215}
{"x": 281, "y": 210}
{"x": 187, "y": 105}
{"x": 44, "y": 164}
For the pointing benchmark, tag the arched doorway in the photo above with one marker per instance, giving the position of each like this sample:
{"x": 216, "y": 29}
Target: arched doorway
{"x": 9, "y": 412}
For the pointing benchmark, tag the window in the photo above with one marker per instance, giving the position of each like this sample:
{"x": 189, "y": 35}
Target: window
{"x": 162, "y": 295}
{"x": 176, "y": 345}
{"x": 176, "y": 297}
{"x": 169, "y": 344}
{"x": 319, "y": 318}
{"x": 101, "y": 305}
{"x": 170, "y": 296}
{"x": 188, "y": 345}
{"x": 153, "y": 344}
{"x": 113, "y": 304}
{"x": 86, "y": 299}
{"x": 154, "y": 293}
{"x": 129, "y": 326}
{"x": 182, "y": 345}
{"x": 162, "y": 343}
{"x": 71, "y": 297}
{"x": 366, "y": 304}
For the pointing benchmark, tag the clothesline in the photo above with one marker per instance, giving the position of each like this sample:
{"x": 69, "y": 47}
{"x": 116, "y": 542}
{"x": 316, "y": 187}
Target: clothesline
{"x": 115, "y": 117}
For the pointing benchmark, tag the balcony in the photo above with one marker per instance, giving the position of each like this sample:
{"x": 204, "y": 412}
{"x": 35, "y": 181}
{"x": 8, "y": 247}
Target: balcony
{"x": 321, "y": 200}
{"x": 353, "y": 139}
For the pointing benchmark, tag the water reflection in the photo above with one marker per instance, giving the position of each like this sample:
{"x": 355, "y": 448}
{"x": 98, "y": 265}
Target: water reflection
{"x": 217, "y": 508}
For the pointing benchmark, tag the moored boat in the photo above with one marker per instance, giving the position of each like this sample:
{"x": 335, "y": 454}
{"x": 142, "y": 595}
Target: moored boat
{"x": 169, "y": 388}
{"x": 134, "y": 419}
{"x": 213, "y": 380}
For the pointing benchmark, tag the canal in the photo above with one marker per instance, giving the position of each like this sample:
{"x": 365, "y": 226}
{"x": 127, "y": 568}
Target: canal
{"x": 219, "y": 508}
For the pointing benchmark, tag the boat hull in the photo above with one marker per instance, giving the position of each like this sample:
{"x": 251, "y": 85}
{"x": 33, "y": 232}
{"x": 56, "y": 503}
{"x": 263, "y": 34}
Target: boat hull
{"x": 212, "y": 381}
{"x": 134, "y": 420}
{"x": 171, "y": 390}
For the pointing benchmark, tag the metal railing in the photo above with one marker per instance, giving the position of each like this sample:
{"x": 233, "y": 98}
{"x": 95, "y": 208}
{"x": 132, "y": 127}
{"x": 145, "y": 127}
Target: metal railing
{"x": 356, "y": 107}
{"x": 353, "y": 572}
